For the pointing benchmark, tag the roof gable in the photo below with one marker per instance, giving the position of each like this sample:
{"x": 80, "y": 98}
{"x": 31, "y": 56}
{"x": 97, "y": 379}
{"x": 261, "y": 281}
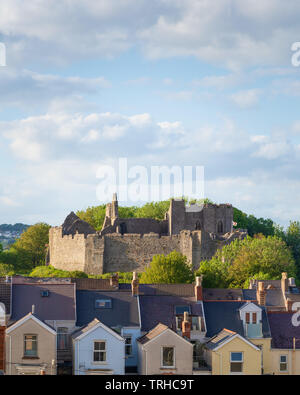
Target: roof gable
{"x": 91, "y": 327}
{"x": 158, "y": 331}
{"x": 32, "y": 317}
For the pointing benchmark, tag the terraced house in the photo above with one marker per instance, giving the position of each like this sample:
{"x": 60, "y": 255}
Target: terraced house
{"x": 99, "y": 326}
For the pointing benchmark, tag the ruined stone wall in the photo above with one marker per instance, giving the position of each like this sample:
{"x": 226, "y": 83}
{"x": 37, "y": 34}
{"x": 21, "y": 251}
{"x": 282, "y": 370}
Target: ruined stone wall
{"x": 67, "y": 252}
{"x": 133, "y": 252}
{"x": 212, "y": 214}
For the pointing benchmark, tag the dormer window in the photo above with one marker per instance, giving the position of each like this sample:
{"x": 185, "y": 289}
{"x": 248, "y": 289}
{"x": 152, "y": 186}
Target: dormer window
{"x": 103, "y": 304}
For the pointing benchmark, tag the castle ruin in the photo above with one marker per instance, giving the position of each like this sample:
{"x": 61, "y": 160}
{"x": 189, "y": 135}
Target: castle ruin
{"x": 128, "y": 244}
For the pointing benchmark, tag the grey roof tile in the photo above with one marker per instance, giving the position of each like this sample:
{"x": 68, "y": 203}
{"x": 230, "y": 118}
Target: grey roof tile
{"x": 124, "y": 311}
{"x": 59, "y": 305}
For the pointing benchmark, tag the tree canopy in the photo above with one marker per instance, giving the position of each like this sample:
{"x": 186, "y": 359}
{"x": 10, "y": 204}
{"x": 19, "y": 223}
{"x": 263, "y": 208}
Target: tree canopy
{"x": 167, "y": 269}
{"x": 260, "y": 257}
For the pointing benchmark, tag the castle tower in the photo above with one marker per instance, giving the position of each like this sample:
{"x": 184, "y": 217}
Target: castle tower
{"x": 176, "y": 216}
{"x": 114, "y": 207}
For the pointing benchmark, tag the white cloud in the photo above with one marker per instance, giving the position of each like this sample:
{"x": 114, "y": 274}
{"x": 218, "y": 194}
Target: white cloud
{"x": 246, "y": 98}
{"x": 236, "y": 33}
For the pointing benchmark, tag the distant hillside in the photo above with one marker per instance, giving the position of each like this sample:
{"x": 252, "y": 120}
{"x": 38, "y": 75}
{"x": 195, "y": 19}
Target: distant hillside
{"x": 10, "y": 233}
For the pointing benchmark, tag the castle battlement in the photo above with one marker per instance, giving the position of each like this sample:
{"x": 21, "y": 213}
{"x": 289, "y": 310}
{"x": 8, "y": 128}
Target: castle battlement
{"x": 129, "y": 244}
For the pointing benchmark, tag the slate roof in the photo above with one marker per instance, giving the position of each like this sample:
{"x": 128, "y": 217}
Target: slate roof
{"x": 160, "y": 328}
{"x": 222, "y": 294}
{"x": 163, "y": 289}
{"x": 283, "y": 331}
{"x": 124, "y": 311}
{"x": 220, "y": 338}
{"x": 157, "y": 309}
{"x": 99, "y": 284}
{"x": 274, "y": 297}
{"x": 219, "y": 315}
{"x": 5, "y": 294}
{"x": 59, "y": 305}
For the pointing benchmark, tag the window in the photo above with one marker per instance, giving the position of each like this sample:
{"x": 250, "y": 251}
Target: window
{"x": 283, "y": 363}
{"x": 195, "y": 323}
{"x": 236, "y": 362}
{"x": 168, "y": 360}
{"x": 30, "y": 345}
{"x": 220, "y": 227}
{"x": 247, "y": 318}
{"x": 62, "y": 338}
{"x": 103, "y": 304}
{"x": 99, "y": 351}
{"x": 254, "y": 318}
{"x": 128, "y": 345}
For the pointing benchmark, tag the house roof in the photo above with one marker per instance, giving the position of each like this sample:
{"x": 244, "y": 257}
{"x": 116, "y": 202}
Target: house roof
{"x": 27, "y": 317}
{"x": 124, "y": 310}
{"x": 95, "y": 323}
{"x": 225, "y": 336}
{"x": 99, "y": 284}
{"x": 59, "y": 305}
{"x": 218, "y": 339}
{"x": 163, "y": 289}
{"x": 160, "y": 328}
{"x": 274, "y": 297}
{"x": 226, "y": 314}
{"x": 214, "y": 294}
{"x": 157, "y": 309}
{"x": 283, "y": 331}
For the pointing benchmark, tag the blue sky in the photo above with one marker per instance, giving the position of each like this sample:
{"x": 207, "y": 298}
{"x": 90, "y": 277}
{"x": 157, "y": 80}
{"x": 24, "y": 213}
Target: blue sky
{"x": 165, "y": 82}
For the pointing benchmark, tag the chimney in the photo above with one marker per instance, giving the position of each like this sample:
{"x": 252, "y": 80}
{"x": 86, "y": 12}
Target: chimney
{"x": 186, "y": 326}
{"x": 284, "y": 283}
{"x": 289, "y": 304}
{"x": 198, "y": 289}
{"x": 135, "y": 284}
{"x": 261, "y": 293}
{"x": 33, "y": 309}
{"x": 114, "y": 280}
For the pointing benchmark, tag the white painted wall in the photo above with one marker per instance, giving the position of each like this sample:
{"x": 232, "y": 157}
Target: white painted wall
{"x": 83, "y": 352}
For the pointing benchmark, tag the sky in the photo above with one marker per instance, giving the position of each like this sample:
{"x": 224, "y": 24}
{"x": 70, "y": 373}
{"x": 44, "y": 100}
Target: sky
{"x": 159, "y": 82}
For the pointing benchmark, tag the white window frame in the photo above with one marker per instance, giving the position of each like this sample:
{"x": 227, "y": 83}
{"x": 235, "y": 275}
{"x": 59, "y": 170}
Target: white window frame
{"x": 162, "y": 357}
{"x": 286, "y": 363}
{"x": 241, "y": 362}
{"x": 24, "y": 345}
{"x": 99, "y": 351}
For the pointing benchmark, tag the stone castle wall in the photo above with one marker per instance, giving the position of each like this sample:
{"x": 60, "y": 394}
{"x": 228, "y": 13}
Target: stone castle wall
{"x": 95, "y": 254}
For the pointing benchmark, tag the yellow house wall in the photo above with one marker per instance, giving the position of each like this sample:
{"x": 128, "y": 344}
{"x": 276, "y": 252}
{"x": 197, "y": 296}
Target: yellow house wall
{"x": 251, "y": 358}
{"x": 267, "y": 360}
{"x": 293, "y": 362}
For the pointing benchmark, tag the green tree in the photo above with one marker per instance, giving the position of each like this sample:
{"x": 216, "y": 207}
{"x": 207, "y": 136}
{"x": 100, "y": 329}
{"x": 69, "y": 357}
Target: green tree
{"x": 252, "y": 224}
{"x": 234, "y": 264}
{"x": 31, "y": 247}
{"x": 171, "y": 268}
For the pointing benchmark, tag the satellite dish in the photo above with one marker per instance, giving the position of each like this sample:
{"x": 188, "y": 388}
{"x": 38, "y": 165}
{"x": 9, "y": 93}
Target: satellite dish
{"x": 2, "y": 314}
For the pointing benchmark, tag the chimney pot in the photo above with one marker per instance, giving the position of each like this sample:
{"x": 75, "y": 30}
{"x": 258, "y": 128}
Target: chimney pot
{"x": 198, "y": 289}
{"x": 135, "y": 284}
{"x": 186, "y": 325}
